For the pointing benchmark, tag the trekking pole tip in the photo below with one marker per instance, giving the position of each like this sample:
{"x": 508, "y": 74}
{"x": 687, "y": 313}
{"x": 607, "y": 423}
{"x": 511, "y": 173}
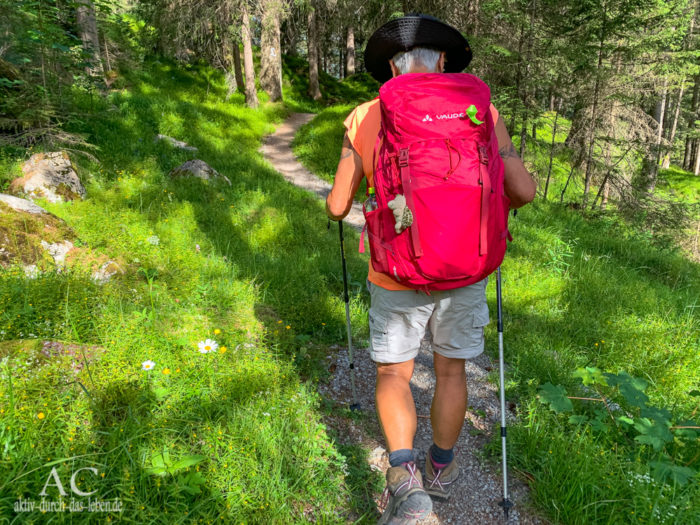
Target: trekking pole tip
{"x": 507, "y": 505}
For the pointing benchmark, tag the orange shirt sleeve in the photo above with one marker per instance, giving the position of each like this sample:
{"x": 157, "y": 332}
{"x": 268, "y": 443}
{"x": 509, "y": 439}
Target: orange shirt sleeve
{"x": 351, "y": 126}
{"x": 494, "y": 114}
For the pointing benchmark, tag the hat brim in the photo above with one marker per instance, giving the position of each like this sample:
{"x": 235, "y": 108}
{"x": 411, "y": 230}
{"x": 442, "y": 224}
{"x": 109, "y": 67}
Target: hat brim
{"x": 408, "y": 32}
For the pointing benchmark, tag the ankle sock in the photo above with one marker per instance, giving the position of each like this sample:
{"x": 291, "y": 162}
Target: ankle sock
{"x": 401, "y": 456}
{"x": 440, "y": 456}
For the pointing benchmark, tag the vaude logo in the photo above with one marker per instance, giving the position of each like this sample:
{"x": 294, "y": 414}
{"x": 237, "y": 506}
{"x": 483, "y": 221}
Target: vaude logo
{"x": 444, "y": 116}
{"x": 84, "y": 503}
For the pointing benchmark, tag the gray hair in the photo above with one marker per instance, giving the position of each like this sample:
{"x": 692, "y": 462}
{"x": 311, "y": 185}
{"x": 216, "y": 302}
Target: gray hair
{"x": 407, "y": 61}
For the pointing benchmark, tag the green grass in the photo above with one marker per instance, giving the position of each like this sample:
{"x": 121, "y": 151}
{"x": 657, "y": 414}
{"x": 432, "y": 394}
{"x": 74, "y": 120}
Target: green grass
{"x": 250, "y": 265}
{"x": 583, "y": 290}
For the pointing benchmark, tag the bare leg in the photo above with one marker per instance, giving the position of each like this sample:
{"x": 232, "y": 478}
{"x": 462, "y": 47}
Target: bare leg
{"x": 449, "y": 401}
{"x": 395, "y": 406}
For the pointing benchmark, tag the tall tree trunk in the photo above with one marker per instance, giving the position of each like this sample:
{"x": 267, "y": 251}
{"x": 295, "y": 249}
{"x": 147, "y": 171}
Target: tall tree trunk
{"x": 518, "y": 77}
{"x": 674, "y": 126}
{"x": 290, "y": 35}
{"x": 526, "y": 79}
{"x": 551, "y": 150}
{"x": 107, "y": 58}
{"x": 270, "y": 52}
{"x": 251, "y": 96}
{"x": 655, "y": 154}
{"x": 692, "y": 153}
{"x": 688, "y": 157}
{"x": 606, "y": 195}
{"x": 350, "y": 52}
{"x": 696, "y": 169}
{"x": 577, "y": 137}
{"x": 474, "y": 8}
{"x": 566, "y": 185}
{"x": 237, "y": 68}
{"x": 603, "y": 191}
{"x": 312, "y": 42}
{"x": 594, "y": 115}
{"x": 87, "y": 27}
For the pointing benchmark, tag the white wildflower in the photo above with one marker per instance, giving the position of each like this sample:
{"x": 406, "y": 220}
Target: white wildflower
{"x": 154, "y": 240}
{"x": 208, "y": 346}
{"x": 148, "y": 365}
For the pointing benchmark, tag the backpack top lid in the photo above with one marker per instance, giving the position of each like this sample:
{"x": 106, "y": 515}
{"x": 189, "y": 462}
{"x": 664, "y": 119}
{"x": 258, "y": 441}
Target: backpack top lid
{"x": 423, "y": 105}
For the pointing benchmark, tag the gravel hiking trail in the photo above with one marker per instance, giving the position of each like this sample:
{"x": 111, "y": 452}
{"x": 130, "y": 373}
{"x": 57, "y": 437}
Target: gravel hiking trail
{"x": 475, "y": 496}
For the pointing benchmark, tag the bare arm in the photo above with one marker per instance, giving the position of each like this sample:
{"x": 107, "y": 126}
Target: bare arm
{"x": 519, "y": 184}
{"x": 348, "y": 177}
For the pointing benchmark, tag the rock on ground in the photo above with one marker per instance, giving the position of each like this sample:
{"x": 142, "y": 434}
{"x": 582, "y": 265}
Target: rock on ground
{"x": 78, "y": 354}
{"x": 37, "y": 353}
{"x": 58, "y": 250}
{"x": 30, "y": 236}
{"x": 105, "y": 273}
{"x": 50, "y": 176}
{"x": 18, "y": 204}
{"x": 38, "y": 241}
{"x": 198, "y": 168}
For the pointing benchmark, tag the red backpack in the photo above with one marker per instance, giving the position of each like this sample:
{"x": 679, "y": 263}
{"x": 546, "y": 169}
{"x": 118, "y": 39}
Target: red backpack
{"x": 437, "y": 147}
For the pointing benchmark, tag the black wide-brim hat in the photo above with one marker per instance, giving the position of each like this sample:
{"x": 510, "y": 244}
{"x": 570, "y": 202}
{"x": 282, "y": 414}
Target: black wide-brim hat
{"x": 410, "y": 31}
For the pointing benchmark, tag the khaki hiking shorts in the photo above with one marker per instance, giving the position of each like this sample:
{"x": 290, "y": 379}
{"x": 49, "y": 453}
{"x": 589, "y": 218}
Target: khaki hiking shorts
{"x": 398, "y": 320}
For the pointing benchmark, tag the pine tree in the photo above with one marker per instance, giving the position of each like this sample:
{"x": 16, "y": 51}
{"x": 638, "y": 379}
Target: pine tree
{"x": 270, "y": 50}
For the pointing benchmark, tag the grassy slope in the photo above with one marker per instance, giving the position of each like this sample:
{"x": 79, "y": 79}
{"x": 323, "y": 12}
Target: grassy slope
{"x": 201, "y": 258}
{"x": 581, "y": 292}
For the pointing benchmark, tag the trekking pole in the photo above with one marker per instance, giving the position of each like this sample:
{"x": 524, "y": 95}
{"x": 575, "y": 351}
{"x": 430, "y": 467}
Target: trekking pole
{"x": 355, "y": 404}
{"x": 505, "y": 503}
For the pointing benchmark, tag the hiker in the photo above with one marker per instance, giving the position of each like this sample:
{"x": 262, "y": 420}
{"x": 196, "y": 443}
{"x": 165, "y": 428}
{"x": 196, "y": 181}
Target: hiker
{"x": 399, "y": 314}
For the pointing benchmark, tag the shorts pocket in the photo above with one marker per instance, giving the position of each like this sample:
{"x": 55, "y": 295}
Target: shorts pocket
{"x": 481, "y": 317}
{"x": 479, "y": 321}
{"x": 378, "y": 333}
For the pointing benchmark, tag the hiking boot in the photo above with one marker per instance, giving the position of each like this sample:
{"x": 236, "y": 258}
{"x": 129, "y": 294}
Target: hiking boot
{"x": 404, "y": 501}
{"x": 439, "y": 481}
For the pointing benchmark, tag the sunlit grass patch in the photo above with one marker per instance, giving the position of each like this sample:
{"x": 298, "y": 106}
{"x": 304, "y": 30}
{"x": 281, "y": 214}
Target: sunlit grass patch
{"x": 233, "y": 433}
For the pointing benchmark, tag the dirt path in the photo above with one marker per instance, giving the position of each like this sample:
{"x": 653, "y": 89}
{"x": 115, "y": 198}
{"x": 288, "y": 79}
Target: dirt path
{"x": 277, "y": 150}
{"x": 475, "y": 496}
